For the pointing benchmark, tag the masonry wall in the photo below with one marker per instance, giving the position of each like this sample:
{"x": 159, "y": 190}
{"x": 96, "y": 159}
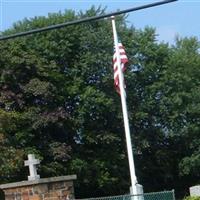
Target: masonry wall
{"x": 2, "y": 195}
{"x": 60, "y": 190}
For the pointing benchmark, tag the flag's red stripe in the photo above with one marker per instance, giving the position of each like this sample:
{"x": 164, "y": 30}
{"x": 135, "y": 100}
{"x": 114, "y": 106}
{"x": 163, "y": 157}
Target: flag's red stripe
{"x": 123, "y": 60}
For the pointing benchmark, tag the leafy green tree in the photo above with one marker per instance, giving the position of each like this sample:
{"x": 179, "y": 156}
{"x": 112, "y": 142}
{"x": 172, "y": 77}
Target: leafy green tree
{"x": 58, "y": 87}
{"x": 57, "y": 101}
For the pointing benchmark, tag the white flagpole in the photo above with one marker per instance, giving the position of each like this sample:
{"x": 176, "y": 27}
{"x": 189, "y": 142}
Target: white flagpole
{"x": 125, "y": 113}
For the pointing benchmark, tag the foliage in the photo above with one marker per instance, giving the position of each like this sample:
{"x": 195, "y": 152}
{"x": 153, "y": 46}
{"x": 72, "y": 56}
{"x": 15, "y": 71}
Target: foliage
{"x": 57, "y": 101}
{"x": 191, "y": 198}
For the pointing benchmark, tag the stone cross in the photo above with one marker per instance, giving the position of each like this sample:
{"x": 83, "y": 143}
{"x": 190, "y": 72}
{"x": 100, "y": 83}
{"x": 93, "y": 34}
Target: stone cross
{"x": 31, "y": 163}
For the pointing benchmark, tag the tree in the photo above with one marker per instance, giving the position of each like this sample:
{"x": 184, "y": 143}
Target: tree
{"x": 57, "y": 101}
{"x": 53, "y": 85}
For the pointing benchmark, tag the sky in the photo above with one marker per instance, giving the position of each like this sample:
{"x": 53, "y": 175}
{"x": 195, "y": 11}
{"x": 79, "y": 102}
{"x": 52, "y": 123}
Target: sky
{"x": 181, "y": 18}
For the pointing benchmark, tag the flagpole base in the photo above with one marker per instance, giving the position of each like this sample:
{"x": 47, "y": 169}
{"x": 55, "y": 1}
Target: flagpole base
{"x": 137, "y": 192}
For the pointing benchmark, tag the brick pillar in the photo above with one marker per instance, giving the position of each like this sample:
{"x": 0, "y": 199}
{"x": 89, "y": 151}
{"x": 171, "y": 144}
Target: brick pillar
{"x": 55, "y": 188}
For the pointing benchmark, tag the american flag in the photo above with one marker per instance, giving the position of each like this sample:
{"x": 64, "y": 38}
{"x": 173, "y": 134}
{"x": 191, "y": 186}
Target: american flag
{"x": 123, "y": 61}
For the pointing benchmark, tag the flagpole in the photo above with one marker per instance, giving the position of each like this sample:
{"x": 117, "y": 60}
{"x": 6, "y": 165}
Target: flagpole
{"x": 125, "y": 113}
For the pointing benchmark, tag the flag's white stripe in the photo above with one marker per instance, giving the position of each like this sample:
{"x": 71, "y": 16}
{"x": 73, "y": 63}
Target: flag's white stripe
{"x": 123, "y": 56}
{"x": 116, "y": 75}
{"x": 121, "y": 51}
{"x": 115, "y": 66}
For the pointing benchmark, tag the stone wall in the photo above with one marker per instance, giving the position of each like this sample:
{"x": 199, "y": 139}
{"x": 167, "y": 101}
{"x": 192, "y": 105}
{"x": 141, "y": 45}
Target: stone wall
{"x": 57, "y": 188}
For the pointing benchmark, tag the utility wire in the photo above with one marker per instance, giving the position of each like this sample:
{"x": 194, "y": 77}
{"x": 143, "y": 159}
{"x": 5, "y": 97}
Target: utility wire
{"x": 89, "y": 19}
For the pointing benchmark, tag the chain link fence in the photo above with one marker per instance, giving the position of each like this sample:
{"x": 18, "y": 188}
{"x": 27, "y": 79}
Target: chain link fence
{"x": 164, "y": 195}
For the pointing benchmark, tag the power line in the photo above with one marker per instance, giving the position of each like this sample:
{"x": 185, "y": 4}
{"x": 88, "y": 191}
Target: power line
{"x": 89, "y": 19}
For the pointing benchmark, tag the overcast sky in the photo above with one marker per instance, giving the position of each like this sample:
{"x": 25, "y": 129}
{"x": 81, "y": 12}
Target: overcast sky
{"x": 180, "y": 18}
